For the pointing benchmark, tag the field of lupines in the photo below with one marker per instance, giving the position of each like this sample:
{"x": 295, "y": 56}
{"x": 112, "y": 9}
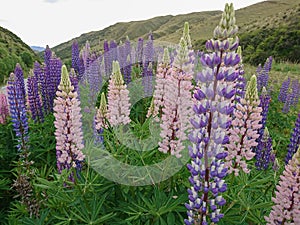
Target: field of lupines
{"x": 149, "y": 133}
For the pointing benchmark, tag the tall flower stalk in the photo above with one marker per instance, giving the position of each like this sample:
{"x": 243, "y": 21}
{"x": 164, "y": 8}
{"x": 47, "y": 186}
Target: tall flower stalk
{"x": 286, "y": 209}
{"x": 118, "y": 98}
{"x": 178, "y": 103}
{"x": 244, "y": 130}
{"x": 212, "y": 109}
{"x": 294, "y": 141}
{"x": 68, "y": 133}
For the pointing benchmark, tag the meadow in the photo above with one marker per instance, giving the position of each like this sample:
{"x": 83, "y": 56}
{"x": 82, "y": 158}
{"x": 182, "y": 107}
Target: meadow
{"x": 150, "y": 134}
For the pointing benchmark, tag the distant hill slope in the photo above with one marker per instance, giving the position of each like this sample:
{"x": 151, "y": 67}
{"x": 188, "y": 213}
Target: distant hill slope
{"x": 13, "y": 50}
{"x": 37, "y": 48}
{"x": 259, "y": 17}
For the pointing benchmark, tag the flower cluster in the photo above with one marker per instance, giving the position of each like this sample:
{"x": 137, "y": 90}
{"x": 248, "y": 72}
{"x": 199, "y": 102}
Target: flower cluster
{"x": 212, "y": 109}
{"x": 69, "y": 139}
{"x": 287, "y": 197}
{"x": 118, "y": 98}
{"x": 244, "y": 130}
{"x": 177, "y": 103}
{"x": 294, "y": 141}
{"x": 263, "y": 151}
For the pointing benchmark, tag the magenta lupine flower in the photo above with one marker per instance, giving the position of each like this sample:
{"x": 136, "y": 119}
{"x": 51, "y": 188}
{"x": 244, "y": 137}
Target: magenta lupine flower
{"x": 3, "y": 109}
{"x": 286, "y": 209}
{"x": 178, "y": 104}
{"x": 213, "y": 107}
{"x": 162, "y": 75}
{"x": 69, "y": 137}
{"x": 294, "y": 141}
{"x": 34, "y": 98}
{"x": 118, "y": 98}
{"x": 244, "y": 130}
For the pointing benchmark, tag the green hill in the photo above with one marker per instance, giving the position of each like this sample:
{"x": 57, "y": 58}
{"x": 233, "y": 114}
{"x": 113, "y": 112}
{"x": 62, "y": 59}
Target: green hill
{"x": 264, "y": 19}
{"x": 13, "y": 50}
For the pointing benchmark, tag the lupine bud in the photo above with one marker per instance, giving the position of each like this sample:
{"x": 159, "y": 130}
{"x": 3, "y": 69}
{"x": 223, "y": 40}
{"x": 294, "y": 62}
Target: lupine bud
{"x": 286, "y": 209}
{"x": 69, "y": 137}
{"x": 118, "y": 98}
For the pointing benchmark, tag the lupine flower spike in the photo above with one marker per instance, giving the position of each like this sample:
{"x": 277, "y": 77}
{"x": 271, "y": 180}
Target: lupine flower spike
{"x": 212, "y": 109}
{"x": 118, "y": 98}
{"x": 178, "y": 104}
{"x": 244, "y": 130}
{"x": 294, "y": 140}
{"x": 69, "y": 137}
{"x": 286, "y": 209}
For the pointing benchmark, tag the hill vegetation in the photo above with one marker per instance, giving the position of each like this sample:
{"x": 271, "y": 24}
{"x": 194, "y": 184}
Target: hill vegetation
{"x": 12, "y": 51}
{"x": 266, "y": 28}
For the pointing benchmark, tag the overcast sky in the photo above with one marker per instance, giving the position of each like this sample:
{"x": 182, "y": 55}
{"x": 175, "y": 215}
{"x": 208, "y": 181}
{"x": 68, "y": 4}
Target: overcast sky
{"x": 42, "y": 22}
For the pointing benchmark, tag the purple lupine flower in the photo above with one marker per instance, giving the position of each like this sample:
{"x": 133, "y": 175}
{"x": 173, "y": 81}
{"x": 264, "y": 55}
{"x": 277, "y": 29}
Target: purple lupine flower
{"x": 288, "y": 103}
{"x": 20, "y": 77}
{"x": 263, "y": 74}
{"x": 127, "y": 70}
{"x": 148, "y": 67}
{"x": 47, "y": 55}
{"x": 94, "y": 78}
{"x": 75, "y": 56}
{"x": 69, "y": 137}
{"x": 74, "y": 80}
{"x": 263, "y": 151}
{"x": 55, "y": 65}
{"x": 295, "y": 92}
{"x": 34, "y": 98}
{"x": 240, "y": 85}
{"x": 284, "y": 90}
{"x": 107, "y": 59}
{"x": 294, "y": 141}
{"x": 85, "y": 54}
{"x": 265, "y": 99}
{"x": 45, "y": 83}
{"x": 113, "y": 47}
{"x": 140, "y": 52}
{"x": 286, "y": 208}
{"x": 212, "y": 114}
{"x": 18, "y": 112}
{"x": 3, "y": 108}
{"x": 37, "y": 71}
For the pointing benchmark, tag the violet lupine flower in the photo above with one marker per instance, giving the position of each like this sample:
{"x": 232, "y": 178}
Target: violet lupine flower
{"x": 3, "y": 109}
{"x": 288, "y": 103}
{"x": 163, "y": 72}
{"x": 34, "y": 98}
{"x": 243, "y": 132}
{"x": 127, "y": 70}
{"x": 19, "y": 75}
{"x": 263, "y": 151}
{"x": 295, "y": 92}
{"x": 294, "y": 141}
{"x": 140, "y": 52}
{"x": 68, "y": 133}
{"x": 284, "y": 90}
{"x": 74, "y": 80}
{"x": 37, "y": 71}
{"x": 17, "y": 107}
{"x": 94, "y": 78}
{"x": 265, "y": 99}
{"x": 85, "y": 54}
{"x": 148, "y": 67}
{"x": 286, "y": 208}
{"x": 263, "y": 74}
{"x": 113, "y": 47}
{"x": 212, "y": 109}
{"x": 178, "y": 104}
{"x": 240, "y": 85}
{"x": 107, "y": 59}
{"x": 47, "y": 55}
{"x": 75, "y": 56}
{"x": 118, "y": 98}
{"x": 45, "y": 89}
{"x": 55, "y": 65}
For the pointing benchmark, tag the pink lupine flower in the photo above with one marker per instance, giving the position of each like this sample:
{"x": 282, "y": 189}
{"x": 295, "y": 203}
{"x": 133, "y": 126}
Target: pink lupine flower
{"x": 244, "y": 130}
{"x": 287, "y": 197}
{"x": 69, "y": 137}
{"x": 163, "y": 72}
{"x": 118, "y": 98}
{"x": 3, "y": 109}
{"x": 178, "y": 104}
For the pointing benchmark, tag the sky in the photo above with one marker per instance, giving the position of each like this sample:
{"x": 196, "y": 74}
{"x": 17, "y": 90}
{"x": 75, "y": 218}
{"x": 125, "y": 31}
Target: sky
{"x": 52, "y": 22}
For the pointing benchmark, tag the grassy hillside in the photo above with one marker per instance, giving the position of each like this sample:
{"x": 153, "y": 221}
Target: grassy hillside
{"x": 13, "y": 50}
{"x": 264, "y": 17}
